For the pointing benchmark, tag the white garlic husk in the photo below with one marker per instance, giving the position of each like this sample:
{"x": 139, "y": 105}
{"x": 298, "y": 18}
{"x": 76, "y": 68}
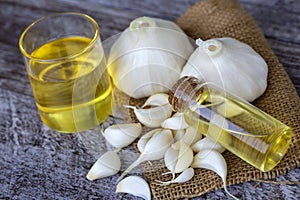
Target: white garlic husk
{"x": 107, "y": 165}
{"x": 136, "y": 186}
{"x": 148, "y": 57}
{"x": 122, "y": 135}
{"x": 230, "y": 64}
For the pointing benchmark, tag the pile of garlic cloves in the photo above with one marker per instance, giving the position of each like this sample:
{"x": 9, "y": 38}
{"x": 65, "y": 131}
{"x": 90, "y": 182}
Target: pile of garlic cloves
{"x": 181, "y": 147}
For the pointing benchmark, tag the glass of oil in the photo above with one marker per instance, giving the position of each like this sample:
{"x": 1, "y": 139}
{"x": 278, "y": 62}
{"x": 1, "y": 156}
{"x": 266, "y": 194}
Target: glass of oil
{"x": 241, "y": 128}
{"x": 66, "y": 65}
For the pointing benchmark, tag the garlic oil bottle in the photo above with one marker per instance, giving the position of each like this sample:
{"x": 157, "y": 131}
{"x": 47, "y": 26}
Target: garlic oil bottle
{"x": 241, "y": 128}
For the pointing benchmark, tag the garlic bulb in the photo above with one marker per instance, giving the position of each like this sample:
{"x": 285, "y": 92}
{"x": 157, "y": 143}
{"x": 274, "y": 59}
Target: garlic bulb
{"x": 148, "y": 57}
{"x": 230, "y": 64}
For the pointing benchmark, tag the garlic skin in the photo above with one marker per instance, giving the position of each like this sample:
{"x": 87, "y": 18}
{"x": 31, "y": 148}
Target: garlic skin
{"x": 136, "y": 186}
{"x": 122, "y": 135}
{"x": 107, "y": 165}
{"x": 148, "y": 57}
{"x": 220, "y": 60}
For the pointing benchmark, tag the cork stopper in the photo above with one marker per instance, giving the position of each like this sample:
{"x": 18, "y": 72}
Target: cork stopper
{"x": 184, "y": 91}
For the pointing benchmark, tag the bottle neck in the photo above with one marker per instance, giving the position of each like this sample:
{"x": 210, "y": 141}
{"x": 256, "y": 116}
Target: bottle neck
{"x": 186, "y": 90}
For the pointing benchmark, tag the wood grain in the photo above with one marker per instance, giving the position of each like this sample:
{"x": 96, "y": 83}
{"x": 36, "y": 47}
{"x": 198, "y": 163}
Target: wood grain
{"x": 38, "y": 163}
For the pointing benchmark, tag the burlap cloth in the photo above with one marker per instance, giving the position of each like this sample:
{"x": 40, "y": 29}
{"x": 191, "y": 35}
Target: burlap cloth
{"x": 226, "y": 18}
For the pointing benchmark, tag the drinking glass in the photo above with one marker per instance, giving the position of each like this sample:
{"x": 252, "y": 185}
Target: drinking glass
{"x": 66, "y": 65}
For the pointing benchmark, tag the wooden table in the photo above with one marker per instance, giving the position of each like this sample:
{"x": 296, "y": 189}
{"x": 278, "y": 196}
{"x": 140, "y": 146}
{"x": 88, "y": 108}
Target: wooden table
{"x": 38, "y": 163}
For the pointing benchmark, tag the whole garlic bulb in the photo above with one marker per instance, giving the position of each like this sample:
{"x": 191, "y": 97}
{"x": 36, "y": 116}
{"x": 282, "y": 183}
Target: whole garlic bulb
{"x": 148, "y": 57}
{"x": 230, "y": 64}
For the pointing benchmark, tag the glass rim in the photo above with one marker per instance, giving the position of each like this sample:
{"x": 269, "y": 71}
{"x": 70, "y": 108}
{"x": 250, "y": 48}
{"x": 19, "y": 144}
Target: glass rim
{"x": 90, "y": 44}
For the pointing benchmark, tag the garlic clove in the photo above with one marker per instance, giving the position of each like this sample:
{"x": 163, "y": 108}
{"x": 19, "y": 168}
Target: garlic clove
{"x": 185, "y": 176}
{"x": 207, "y": 144}
{"x": 122, "y": 135}
{"x": 178, "y": 157}
{"x": 108, "y": 164}
{"x": 158, "y": 99}
{"x": 229, "y": 110}
{"x": 136, "y": 186}
{"x": 178, "y": 134}
{"x": 154, "y": 149}
{"x": 145, "y": 138}
{"x": 176, "y": 122}
{"x": 158, "y": 144}
{"x": 152, "y": 117}
{"x": 185, "y": 157}
{"x": 191, "y": 135}
{"x": 212, "y": 160}
{"x": 170, "y": 159}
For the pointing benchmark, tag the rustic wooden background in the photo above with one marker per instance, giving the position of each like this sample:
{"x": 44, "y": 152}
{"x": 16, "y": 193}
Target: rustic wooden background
{"x": 38, "y": 163}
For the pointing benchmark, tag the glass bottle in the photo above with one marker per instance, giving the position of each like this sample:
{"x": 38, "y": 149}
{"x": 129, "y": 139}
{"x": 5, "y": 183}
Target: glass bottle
{"x": 241, "y": 128}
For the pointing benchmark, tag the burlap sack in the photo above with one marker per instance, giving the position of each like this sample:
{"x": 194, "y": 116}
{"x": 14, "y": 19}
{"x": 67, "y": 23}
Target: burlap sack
{"x": 221, "y": 18}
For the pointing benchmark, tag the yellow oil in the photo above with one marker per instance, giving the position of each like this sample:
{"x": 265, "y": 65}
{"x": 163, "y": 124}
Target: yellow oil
{"x": 72, "y": 89}
{"x": 249, "y": 133}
